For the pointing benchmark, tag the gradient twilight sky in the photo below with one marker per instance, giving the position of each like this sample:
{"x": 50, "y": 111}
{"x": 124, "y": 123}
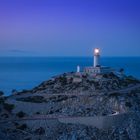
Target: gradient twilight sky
{"x": 69, "y": 27}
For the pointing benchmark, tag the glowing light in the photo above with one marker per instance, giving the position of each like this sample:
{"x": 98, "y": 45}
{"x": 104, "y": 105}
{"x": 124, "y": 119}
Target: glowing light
{"x": 96, "y": 51}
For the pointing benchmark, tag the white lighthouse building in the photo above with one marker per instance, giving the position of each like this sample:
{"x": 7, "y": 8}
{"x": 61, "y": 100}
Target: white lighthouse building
{"x": 97, "y": 68}
{"x": 78, "y": 69}
{"x": 96, "y": 57}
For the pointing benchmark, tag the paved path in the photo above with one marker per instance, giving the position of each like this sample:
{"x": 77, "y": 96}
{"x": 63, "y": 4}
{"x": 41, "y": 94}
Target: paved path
{"x": 47, "y": 117}
{"x": 124, "y": 90}
{"x": 95, "y": 121}
{"x": 44, "y": 117}
{"x": 127, "y": 89}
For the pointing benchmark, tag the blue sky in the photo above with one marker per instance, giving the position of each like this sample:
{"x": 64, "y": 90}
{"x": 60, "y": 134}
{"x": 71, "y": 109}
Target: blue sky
{"x": 69, "y": 27}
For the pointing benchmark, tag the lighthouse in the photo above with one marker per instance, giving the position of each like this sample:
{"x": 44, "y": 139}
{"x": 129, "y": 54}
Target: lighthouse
{"x": 78, "y": 69}
{"x": 96, "y": 57}
{"x": 97, "y": 68}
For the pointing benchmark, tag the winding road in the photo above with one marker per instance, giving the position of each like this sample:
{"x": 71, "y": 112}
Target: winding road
{"x": 66, "y": 118}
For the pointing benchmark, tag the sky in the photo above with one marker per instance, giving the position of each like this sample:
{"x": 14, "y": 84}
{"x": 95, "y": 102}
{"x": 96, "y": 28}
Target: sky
{"x": 69, "y": 27}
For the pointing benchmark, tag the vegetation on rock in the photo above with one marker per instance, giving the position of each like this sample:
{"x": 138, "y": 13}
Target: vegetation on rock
{"x": 21, "y": 114}
{"x": 8, "y": 107}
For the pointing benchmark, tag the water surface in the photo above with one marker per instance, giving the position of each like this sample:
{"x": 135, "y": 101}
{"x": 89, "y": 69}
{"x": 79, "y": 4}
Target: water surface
{"x": 27, "y": 72}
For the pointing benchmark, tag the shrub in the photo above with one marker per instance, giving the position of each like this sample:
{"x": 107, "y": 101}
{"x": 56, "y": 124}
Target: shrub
{"x": 27, "y": 138}
{"x": 38, "y": 113}
{"x": 84, "y": 76}
{"x": 14, "y": 91}
{"x": 105, "y": 76}
{"x": 121, "y": 70}
{"x": 33, "y": 99}
{"x": 114, "y": 94}
{"x": 1, "y": 93}
{"x": 16, "y": 124}
{"x": 40, "y": 131}
{"x": 85, "y": 88}
{"x": 131, "y": 80}
{"x": 4, "y": 115}
{"x": 63, "y": 80}
{"x": 21, "y": 114}
{"x": 8, "y": 107}
{"x": 1, "y": 100}
{"x": 22, "y": 127}
{"x": 128, "y": 104}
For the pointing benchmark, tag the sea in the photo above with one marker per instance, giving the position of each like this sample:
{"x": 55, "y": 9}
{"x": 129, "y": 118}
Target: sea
{"x": 19, "y": 73}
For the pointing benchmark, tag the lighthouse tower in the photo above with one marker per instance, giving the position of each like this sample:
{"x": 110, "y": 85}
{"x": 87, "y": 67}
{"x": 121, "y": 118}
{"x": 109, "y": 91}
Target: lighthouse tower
{"x": 97, "y": 68}
{"x": 78, "y": 69}
{"x": 96, "y": 57}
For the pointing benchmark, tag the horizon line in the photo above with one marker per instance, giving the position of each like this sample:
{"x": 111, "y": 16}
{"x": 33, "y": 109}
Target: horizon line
{"x": 67, "y": 56}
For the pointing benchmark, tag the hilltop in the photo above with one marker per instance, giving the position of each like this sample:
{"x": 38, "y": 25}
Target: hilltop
{"x": 74, "y": 106}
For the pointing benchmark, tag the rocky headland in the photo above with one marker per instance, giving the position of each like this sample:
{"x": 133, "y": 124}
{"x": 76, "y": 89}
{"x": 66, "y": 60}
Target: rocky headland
{"x": 74, "y": 106}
